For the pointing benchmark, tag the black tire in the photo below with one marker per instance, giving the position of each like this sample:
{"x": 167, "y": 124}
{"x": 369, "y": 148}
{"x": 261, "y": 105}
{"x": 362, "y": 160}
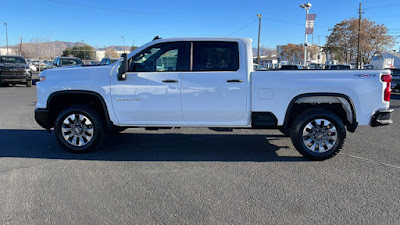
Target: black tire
{"x": 29, "y": 83}
{"x": 328, "y": 151}
{"x": 284, "y": 131}
{"x": 97, "y": 126}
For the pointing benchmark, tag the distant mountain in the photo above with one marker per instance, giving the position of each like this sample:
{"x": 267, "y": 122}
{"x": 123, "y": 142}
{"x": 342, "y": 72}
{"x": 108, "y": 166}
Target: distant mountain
{"x": 264, "y": 51}
{"x": 43, "y": 49}
{"x": 46, "y": 49}
{"x": 117, "y": 48}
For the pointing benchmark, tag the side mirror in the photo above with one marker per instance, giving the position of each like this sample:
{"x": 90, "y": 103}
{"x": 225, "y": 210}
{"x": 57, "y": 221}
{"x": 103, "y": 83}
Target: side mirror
{"x": 123, "y": 68}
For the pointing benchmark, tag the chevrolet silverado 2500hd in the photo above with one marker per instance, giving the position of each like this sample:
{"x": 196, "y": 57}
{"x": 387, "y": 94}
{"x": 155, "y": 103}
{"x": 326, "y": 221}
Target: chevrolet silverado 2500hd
{"x": 209, "y": 82}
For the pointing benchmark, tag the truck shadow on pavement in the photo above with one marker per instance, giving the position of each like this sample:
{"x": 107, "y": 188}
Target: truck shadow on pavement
{"x": 152, "y": 147}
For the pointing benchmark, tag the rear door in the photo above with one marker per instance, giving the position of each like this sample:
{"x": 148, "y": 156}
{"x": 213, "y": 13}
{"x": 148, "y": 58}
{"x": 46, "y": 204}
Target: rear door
{"x": 215, "y": 90}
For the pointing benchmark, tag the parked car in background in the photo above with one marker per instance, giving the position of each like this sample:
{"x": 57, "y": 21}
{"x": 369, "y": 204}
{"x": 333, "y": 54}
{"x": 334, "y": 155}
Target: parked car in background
{"x": 291, "y": 67}
{"x": 339, "y": 67}
{"x": 15, "y": 70}
{"x": 39, "y": 65}
{"x": 258, "y": 67}
{"x": 368, "y": 67}
{"x": 48, "y": 63}
{"x": 31, "y": 66}
{"x": 107, "y": 61}
{"x": 67, "y": 61}
{"x": 316, "y": 66}
{"x": 395, "y": 79}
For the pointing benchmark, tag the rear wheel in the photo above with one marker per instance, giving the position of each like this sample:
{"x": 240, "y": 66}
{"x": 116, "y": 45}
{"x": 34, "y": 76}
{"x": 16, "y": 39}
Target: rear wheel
{"x": 318, "y": 134}
{"x": 79, "y": 128}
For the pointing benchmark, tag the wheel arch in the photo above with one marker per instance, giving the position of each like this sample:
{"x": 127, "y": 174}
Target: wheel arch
{"x": 324, "y": 99}
{"x": 62, "y": 99}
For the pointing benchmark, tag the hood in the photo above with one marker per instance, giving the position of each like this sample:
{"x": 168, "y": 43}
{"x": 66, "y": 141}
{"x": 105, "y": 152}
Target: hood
{"x": 77, "y": 73}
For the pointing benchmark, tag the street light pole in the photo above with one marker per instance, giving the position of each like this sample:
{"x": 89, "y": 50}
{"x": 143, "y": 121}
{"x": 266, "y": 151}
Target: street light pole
{"x": 5, "y": 24}
{"x": 259, "y": 31}
{"x": 20, "y": 46}
{"x": 123, "y": 43}
{"x": 307, "y": 7}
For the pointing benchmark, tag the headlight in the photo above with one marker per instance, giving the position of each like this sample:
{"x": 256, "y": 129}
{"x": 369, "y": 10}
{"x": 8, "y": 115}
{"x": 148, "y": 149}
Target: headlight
{"x": 42, "y": 78}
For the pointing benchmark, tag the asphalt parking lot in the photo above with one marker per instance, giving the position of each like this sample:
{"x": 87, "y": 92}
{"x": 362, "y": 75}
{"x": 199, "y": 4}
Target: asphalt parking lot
{"x": 192, "y": 176}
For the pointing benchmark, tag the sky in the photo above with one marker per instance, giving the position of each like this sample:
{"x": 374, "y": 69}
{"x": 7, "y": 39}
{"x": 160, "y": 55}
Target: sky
{"x": 101, "y": 23}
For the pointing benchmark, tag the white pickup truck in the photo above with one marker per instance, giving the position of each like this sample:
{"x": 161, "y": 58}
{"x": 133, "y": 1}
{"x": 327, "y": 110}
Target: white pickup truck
{"x": 209, "y": 82}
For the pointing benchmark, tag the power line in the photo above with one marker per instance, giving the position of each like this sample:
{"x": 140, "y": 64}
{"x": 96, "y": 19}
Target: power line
{"x": 242, "y": 27}
{"x": 381, "y": 6}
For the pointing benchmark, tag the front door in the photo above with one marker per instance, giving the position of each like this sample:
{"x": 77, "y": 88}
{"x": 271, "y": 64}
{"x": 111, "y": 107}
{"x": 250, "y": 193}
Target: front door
{"x": 151, "y": 93}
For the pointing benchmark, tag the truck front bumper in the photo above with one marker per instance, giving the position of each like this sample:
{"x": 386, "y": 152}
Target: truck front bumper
{"x": 13, "y": 79}
{"x": 382, "y": 117}
{"x": 42, "y": 118}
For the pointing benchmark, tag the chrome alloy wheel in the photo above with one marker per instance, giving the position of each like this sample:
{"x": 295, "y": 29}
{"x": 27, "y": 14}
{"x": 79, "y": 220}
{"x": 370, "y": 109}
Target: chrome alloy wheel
{"x": 319, "y": 135}
{"x": 77, "y": 130}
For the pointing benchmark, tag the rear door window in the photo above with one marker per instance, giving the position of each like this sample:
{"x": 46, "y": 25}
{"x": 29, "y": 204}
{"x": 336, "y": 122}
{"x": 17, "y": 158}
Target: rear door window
{"x": 215, "y": 56}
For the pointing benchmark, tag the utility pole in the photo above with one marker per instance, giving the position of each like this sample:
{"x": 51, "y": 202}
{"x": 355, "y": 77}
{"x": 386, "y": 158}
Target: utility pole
{"x": 259, "y": 31}
{"x": 20, "y": 46}
{"x": 5, "y": 24}
{"x": 359, "y": 38}
{"x": 54, "y": 50}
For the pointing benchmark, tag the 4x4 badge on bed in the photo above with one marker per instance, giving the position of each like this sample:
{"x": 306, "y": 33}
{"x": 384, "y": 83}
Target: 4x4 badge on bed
{"x": 365, "y": 75}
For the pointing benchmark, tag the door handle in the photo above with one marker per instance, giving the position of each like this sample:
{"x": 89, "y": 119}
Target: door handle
{"x": 234, "y": 81}
{"x": 170, "y": 81}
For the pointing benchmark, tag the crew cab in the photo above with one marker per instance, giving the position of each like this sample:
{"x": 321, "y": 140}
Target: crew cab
{"x": 209, "y": 82}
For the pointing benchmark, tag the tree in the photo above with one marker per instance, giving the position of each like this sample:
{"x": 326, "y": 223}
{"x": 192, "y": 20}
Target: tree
{"x": 343, "y": 40}
{"x": 134, "y": 47}
{"x": 85, "y": 52}
{"x": 312, "y": 51}
{"x": 111, "y": 53}
{"x": 292, "y": 53}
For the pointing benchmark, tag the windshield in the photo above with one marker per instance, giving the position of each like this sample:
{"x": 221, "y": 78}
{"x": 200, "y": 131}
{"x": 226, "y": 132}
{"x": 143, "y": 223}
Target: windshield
{"x": 71, "y": 62}
{"x": 10, "y": 59}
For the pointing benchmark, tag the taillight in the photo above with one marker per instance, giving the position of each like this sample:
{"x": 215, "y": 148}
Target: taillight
{"x": 42, "y": 78}
{"x": 387, "y": 79}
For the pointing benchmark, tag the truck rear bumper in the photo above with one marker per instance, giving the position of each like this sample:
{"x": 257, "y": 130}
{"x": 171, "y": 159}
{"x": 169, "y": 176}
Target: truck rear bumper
{"x": 382, "y": 117}
{"x": 42, "y": 118}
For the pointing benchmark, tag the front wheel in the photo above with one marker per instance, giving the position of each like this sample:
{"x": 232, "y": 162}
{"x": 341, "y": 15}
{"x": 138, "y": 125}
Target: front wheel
{"x": 29, "y": 83}
{"x": 318, "y": 134}
{"x": 79, "y": 128}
